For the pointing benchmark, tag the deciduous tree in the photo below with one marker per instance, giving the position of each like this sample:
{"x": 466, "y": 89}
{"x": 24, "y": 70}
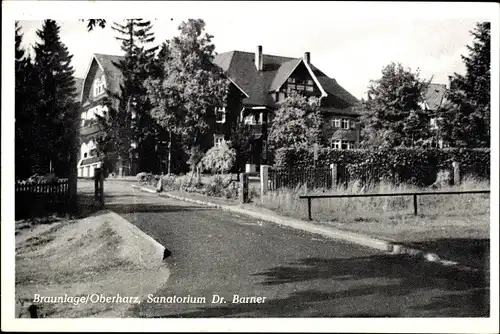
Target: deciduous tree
{"x": 392, "y": 116}
{"x": 189, "y": 87}
{"x": 296, "y": 123}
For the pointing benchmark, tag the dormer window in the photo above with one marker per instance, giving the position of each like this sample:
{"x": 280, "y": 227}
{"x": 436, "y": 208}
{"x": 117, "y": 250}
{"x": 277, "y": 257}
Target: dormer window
{"x": 299, "y": 86}
{"x": 99, "y": 86}
{"x": 220, "y": 115}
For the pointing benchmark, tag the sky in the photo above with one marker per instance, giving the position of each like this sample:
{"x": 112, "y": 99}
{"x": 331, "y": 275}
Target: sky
{"x": 351, "y": 50}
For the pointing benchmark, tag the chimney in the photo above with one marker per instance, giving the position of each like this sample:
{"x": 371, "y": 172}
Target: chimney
{"x": 307, "y": 58}
{"x": 259, "y": 64}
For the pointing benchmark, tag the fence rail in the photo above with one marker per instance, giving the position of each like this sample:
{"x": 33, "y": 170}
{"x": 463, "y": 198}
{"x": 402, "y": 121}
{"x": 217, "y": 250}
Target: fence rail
{"x": 414, "y": 194}
{"x": 41, "y": 197}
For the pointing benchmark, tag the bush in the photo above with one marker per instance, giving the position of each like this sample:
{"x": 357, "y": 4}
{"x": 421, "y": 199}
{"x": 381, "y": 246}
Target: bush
{"x": 219, "y": 159}
{"x": 169, "y": 182}
{"x": 36, "y": 178}
{"x": 143, "y": 176}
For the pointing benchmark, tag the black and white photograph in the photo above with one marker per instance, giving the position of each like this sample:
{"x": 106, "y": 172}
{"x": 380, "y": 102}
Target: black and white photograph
{"x": 289, "y": 165}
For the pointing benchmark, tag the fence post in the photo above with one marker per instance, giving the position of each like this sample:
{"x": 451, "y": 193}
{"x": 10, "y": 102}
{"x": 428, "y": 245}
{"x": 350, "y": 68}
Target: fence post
{"x": 309, "y": 214}
{"x": 72, "y": 180}
{"x": 96, "y": 185}
{"x": 415, "y": 204}
{"x": 333, "y": 168}
{"x": 456, "y": 172}
{"x": 244, "y": 188}
{"x": 101, "y": 186}
{"x": 264, "y": 176}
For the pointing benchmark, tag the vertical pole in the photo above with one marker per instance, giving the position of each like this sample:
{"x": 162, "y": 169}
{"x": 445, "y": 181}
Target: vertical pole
{"x": 415, "y": 204}
{"x": 309, "y": 208}
{"x": 264, "y": 177}
{"x": 244, "y": 188}
{"x": 101, "y": 186}
{"x": 169, "y": 153}
{"x": 96, "y": 187}
{"x": 456, "y": 172}
{"x": 333, "y": 168}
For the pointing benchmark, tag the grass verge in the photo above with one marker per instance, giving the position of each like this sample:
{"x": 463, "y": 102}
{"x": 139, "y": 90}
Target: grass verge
{"x": 392, "y": 217}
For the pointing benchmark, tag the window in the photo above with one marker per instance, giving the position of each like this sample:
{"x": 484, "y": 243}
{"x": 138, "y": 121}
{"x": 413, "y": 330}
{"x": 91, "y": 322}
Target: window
{"x": 343, "y": 144}
{"x": 261, "y": 118}
{"x": 220, "y": 115}
{"x": 345, "y": 123}
{"x": 336, "y": 122}
{"x": 218, "y": 140}
{"x": 250, "y": 119}
{"x": 99, "y": 86}
{"x": 299, "y": 86}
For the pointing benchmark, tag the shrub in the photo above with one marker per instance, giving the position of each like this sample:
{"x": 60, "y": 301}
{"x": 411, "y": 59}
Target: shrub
{"x": 143, "y": 176}
{"x": 219, "y": 159}
{"x": 216, "y": 187}
{"x": 169, "y": 182}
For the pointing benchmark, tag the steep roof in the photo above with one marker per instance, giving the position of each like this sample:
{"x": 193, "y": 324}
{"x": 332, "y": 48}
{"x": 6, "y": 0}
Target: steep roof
{"x": 434, "y": 95}
{"x": 239, "y": 66}
{"x": 113, "y": 74}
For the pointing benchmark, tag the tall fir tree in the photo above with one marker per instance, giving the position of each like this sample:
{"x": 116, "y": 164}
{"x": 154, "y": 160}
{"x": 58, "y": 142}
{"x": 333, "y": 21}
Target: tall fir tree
{"x": 57, "y": 112}
{"x": 25, "y": 108}
{"x": 465, "y": 120}
{"x": 130, "y": 127}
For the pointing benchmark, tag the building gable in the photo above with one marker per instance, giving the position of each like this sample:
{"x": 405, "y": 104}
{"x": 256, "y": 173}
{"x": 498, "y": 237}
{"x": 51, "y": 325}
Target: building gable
{"x": 94, "y": 71}
{"x": 102, "y": 65}
{"x": 261, "y": 77}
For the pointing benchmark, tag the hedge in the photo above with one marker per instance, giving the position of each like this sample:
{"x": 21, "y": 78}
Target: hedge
{"x": 412, "y": 165}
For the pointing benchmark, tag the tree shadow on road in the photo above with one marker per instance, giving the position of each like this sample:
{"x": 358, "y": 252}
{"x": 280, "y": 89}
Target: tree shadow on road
{"x": 470, "y": 252}
{"x": 462, "y": 293}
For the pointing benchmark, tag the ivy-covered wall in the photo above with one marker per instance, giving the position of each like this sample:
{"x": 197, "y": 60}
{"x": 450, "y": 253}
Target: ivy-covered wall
{"x": 412, "y": 165}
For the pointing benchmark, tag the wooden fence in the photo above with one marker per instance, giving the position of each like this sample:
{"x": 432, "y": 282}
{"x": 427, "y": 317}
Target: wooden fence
{"x": 296, "y": 177}
{"x": 33, "y": 199}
